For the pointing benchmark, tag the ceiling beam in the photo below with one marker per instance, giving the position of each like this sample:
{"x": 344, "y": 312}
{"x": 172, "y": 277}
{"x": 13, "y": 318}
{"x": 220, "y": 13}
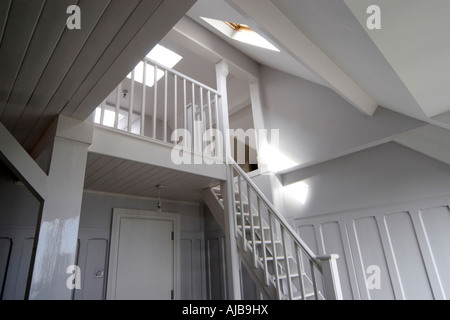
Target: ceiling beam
{"x": 213, "y": 48}
{"x": 288, "y": 36}
{"x": 429, "y": 140}
{"x": 23, "y": 166}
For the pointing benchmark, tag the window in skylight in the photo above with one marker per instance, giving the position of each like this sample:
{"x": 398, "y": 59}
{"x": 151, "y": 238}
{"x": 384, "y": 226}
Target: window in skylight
{"x": 241, "y": 32}
{"x": 109, "y": 116}
{"x": 163, "y": 56}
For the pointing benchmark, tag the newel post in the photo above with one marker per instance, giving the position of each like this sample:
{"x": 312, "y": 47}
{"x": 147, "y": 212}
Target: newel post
{"x": 331, "y": 282}
{"x": 232, "y": 255}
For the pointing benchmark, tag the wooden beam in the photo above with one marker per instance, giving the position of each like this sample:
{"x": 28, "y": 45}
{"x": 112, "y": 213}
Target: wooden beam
{"x": 213, "y": 48}
{"x": 429, "y": 140}
{"x": 284, "y": 32}
{"x": 21, "y": 163}
{"x": 129, "y": 146}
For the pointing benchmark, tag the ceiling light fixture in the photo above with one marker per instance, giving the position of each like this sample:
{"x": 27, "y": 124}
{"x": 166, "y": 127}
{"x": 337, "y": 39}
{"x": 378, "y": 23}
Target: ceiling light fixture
{"x": 159, "y": 187}
{"x": 241, "y": 32}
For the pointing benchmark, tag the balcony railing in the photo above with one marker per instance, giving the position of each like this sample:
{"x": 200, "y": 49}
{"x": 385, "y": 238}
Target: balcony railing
{"x": 175, "y": 109}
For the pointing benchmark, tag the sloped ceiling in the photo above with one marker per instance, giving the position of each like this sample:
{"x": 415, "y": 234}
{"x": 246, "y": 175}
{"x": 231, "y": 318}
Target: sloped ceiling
{"x": 222, "y": 10}
{"x": 47, "y": 69}
{"x": 414, "y": 39}
{"x": 403, "y": 67}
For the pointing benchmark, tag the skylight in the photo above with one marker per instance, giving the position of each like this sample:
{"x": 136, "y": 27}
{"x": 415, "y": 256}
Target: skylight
{"x": 160, "y": 54}
{"x": 241, "y": 33}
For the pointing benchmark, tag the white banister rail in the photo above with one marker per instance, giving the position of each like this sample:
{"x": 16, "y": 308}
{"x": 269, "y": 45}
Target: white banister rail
{"x": 288, "y": 254}
{"x": 153, "y": 101}
{"x": 311, "y": 255}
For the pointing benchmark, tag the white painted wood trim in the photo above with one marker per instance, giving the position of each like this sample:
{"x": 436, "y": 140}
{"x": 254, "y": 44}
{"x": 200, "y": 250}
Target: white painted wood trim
{"x": 125, "y": 145}
{"x": 19, "y": 161}
{"x": 427, "y": 255}
{"x": 352, "y": 250}
{"x": 119, "y": 213}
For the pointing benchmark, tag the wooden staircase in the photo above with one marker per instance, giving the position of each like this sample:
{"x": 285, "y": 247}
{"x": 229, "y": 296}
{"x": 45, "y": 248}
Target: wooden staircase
{"x": 279, "y": 262}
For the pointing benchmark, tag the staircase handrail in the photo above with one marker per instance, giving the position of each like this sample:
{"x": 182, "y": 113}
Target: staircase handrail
{"x": 294, "y": 235}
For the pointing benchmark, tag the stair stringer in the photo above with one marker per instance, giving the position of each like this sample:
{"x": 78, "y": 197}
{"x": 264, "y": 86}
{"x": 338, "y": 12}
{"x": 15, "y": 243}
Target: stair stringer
{"x": 214, "y": 201}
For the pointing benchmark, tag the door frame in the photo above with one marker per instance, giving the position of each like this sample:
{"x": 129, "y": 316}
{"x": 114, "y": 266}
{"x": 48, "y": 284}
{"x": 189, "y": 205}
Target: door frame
{"x": 120, "y": 213}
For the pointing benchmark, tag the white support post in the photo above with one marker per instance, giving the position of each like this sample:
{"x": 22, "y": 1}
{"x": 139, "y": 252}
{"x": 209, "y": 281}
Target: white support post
{"x": 210, "y": 124}
{"x": 193, "y": 133}
{"x": 331, "y": 282}
{"x": 166, "y": 76}
{"x": 202, "y": 119}
{"x": 102, "y": 113}
{"x": 184, "y": 109}
{"x": 144, "y": 98}
{"x": 218, "y": 142}
{"x": 175, "y": 102}
{"x": 118, "y": 102}
{"x": 131, "y": 106}
{"x": 232, "y": 255}
{"x": 258, "y": 120}
{"x": 155, "y": 99}
{"x": 57, "y": 235}
{"x": 221, "y": 74}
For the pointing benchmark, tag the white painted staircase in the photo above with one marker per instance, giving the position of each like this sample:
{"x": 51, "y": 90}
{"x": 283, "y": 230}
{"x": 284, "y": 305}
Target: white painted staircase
{"x": 279, "y": 262}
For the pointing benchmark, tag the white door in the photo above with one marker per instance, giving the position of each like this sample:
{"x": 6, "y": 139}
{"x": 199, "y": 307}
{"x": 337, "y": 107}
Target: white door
{"x": 143, "y": 257}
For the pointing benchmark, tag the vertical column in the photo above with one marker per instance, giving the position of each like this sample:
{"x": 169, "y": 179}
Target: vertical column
{"x": 331, "y": 282}
{"x": 224, "y": 123}
{"x": 57, "y": 233}
{"x": 232, "y": 255}
{"x": 258, "y": 120}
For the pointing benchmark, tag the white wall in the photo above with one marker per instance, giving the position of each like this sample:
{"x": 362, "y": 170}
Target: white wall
{"x": 316, "y": 123}
{"x": 381, "y": 175}
{"x": 95, "y": 224}
{"x": 18, "y": 216}
{"x": 386, "y": 206}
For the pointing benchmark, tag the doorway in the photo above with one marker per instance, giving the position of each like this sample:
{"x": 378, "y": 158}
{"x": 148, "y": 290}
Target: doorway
{"x": 144, "y": 256}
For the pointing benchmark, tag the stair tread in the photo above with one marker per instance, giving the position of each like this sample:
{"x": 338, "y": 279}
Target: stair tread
{"x": 254, "y": 227}
{"x": 284, "y": 276}
{"x": 278, "y": 258}
{"x": 298, "y": 295}
{"x": 244, "y": 223}
{"x": 265, "y": 241}
{"x": 248, "y": 214}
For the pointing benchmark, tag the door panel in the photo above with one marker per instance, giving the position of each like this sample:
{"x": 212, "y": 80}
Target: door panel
{"x": 145, "y": 259}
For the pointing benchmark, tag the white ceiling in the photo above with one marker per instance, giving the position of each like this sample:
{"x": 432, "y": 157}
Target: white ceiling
{"x": 403, "y": 67}
{"x": 115, "y": 175}
{"x": 221, "y": 10}
{"x": 414, "y": 39}
{"x": 47, "y": 69}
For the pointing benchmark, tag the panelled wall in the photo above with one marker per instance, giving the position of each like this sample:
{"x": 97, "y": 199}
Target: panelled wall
{"x": 391, "y": 252}
{"x": 16, "y": 246}
{"x": 385, "y": 211}
{"x": 94, "y": 238}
